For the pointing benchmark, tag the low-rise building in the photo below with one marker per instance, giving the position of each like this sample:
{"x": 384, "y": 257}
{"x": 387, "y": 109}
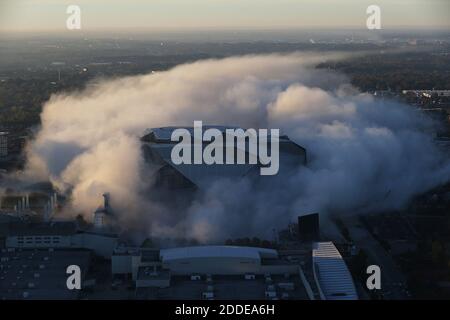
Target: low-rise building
{"x": 58, "y": 235}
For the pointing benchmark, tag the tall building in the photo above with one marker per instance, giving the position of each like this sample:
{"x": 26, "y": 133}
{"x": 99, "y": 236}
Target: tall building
{"x": 308, "y": 227}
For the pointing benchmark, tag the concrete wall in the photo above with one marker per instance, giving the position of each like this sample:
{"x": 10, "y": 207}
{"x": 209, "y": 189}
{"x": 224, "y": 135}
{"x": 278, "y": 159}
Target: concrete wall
{"x": 279, "y": 269}
{"x": 159, "y": 283}
{"x": 102, "y": 245}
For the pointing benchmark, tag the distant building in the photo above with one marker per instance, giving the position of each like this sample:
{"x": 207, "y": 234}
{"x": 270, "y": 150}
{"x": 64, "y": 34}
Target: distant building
{"x": 428, "y": 93}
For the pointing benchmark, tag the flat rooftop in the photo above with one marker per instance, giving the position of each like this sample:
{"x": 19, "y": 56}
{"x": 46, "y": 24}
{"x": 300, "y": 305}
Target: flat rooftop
{"x": 39, "y": 273}
{"x": 40, "y": 229}
{"x": 224, "y": 288}
{"x": 147, "y": 273}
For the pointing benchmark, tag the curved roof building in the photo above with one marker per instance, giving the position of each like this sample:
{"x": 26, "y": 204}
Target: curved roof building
{"x": 224, "y": 260}
{"x": 331, "y": 274}
{"x": 199, "y": 252}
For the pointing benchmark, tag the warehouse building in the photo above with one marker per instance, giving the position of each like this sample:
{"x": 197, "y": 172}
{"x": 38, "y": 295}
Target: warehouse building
{"x": 225, "y": 260}
{"x": 211, "y": 272}
{"x": 200, "y": 260}
{"x": 58, "y": 234}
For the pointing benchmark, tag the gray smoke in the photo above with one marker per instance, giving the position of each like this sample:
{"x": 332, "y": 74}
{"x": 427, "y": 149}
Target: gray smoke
{"x": 364, "y": 154}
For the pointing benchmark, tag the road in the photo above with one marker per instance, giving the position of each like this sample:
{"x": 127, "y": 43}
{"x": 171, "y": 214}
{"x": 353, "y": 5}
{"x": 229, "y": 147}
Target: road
{"x": 393, "y": 282}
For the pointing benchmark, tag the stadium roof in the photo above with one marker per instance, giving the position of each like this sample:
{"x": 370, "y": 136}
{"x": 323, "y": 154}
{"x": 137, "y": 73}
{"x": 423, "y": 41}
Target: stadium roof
{"x": 164, "y": 134}
{"x": 331, "y": 273}
{"x": 158, "y": 147}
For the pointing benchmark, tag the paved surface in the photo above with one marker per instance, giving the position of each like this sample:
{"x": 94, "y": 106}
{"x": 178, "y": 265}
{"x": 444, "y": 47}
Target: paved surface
{"x": 225, "y": 288}
{"x": 393, "y": 282}
{"x": 39, "y": 273}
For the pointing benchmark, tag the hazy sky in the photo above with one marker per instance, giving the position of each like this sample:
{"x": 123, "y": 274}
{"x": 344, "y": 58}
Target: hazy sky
{"x": 38, "y": 15}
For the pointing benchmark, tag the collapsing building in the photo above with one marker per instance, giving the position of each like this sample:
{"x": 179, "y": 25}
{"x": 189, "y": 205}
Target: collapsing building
{"x": 157, "y": 147}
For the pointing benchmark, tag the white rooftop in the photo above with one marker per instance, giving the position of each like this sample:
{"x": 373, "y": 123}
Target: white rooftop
{"x": 335, "y": 281}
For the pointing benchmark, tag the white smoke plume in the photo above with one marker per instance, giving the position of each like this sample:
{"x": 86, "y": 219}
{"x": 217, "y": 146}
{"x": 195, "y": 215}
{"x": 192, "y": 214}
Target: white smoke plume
{"x": 364, "y": 154}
